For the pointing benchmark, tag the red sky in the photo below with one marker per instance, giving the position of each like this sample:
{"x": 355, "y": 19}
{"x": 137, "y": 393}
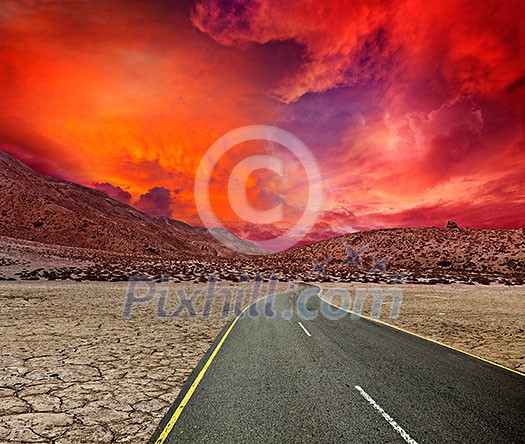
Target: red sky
{"x": 413, "y": 109}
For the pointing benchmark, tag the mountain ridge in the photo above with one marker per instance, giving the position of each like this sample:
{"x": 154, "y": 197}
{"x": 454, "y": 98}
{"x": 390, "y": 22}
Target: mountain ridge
{"x": 39, "y": 208}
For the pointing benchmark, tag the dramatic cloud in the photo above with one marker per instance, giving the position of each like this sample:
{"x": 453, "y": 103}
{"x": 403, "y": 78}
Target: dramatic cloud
{"x": 413, "y": 109}
{"x": 333, "y": 36}
{"x": 375, "y": 41}
{"x": 156, "y": 202}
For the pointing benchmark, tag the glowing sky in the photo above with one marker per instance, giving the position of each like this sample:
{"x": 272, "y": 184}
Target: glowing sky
{"x": 413, "y": 109}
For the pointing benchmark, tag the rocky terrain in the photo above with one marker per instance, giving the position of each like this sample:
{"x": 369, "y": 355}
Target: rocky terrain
{"x": 418, "y": 255}
{"x": 428, "y": 255}
{"x": 420, "y": 249}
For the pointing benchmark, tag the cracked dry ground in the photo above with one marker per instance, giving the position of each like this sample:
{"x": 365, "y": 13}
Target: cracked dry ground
{"x": 73, "y": 370}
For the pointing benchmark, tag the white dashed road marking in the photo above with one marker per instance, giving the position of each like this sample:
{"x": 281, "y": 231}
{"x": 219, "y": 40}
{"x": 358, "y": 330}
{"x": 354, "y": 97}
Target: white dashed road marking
{"x": 305, "y": 330}
{"x": 385, "y": 415}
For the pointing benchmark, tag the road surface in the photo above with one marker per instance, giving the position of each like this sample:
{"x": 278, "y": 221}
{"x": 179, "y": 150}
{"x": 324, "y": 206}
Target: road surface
{"x": 275, "y": 380}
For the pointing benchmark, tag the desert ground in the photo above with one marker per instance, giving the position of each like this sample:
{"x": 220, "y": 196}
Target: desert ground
{"x": 73, "y": 368}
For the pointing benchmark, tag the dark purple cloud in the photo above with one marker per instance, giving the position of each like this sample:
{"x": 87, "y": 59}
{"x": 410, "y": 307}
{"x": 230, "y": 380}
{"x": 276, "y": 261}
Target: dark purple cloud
{"x": 155, "y": 202}
{"x": 113, "y": 191}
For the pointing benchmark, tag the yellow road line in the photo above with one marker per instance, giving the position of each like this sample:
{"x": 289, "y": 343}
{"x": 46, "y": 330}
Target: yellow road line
{"x": 422, "y": 337}
{"x": 169, "y": 426}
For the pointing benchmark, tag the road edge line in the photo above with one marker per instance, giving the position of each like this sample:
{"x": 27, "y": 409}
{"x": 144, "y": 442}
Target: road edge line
{"x": 420, "y": 336}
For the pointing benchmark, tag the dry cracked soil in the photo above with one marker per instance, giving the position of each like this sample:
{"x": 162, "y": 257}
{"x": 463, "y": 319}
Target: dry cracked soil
{"x": 72, "y": 369}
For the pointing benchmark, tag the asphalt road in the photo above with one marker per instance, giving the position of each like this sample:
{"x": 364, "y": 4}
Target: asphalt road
{"x": 346, "y": 380}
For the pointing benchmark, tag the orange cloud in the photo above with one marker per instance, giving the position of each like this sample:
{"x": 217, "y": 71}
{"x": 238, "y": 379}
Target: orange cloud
{"x": 116, "y": 99}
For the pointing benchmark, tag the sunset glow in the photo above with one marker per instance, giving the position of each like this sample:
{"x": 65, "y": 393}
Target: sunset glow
{"x": 414, "y": 110}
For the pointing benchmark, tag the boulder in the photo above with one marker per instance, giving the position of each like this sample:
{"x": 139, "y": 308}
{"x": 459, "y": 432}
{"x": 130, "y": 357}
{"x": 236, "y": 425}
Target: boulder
{"x": 451, "y": 224}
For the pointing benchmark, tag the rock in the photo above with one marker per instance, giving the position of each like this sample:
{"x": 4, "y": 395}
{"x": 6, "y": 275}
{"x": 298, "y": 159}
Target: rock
{"x": 451, "y": 224}
{"x": 444, "y": 263}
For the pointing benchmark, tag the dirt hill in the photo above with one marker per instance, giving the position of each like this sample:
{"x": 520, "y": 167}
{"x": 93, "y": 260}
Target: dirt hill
{"x": 424, "y": 251}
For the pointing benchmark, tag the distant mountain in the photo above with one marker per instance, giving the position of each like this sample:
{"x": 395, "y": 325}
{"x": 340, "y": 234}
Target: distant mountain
{"x": 38, "y": 208}
{"x": 119, "y": 240}
{"x": 236, "y": 243}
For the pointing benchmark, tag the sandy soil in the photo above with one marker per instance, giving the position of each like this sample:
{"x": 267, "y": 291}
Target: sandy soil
{"x": 73, "y": 370}
{"x": 488, "y": 321}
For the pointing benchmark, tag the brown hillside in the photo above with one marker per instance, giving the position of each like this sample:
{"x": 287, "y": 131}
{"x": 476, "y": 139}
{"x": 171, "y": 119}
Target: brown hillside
{"x": 38, "y": 208}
